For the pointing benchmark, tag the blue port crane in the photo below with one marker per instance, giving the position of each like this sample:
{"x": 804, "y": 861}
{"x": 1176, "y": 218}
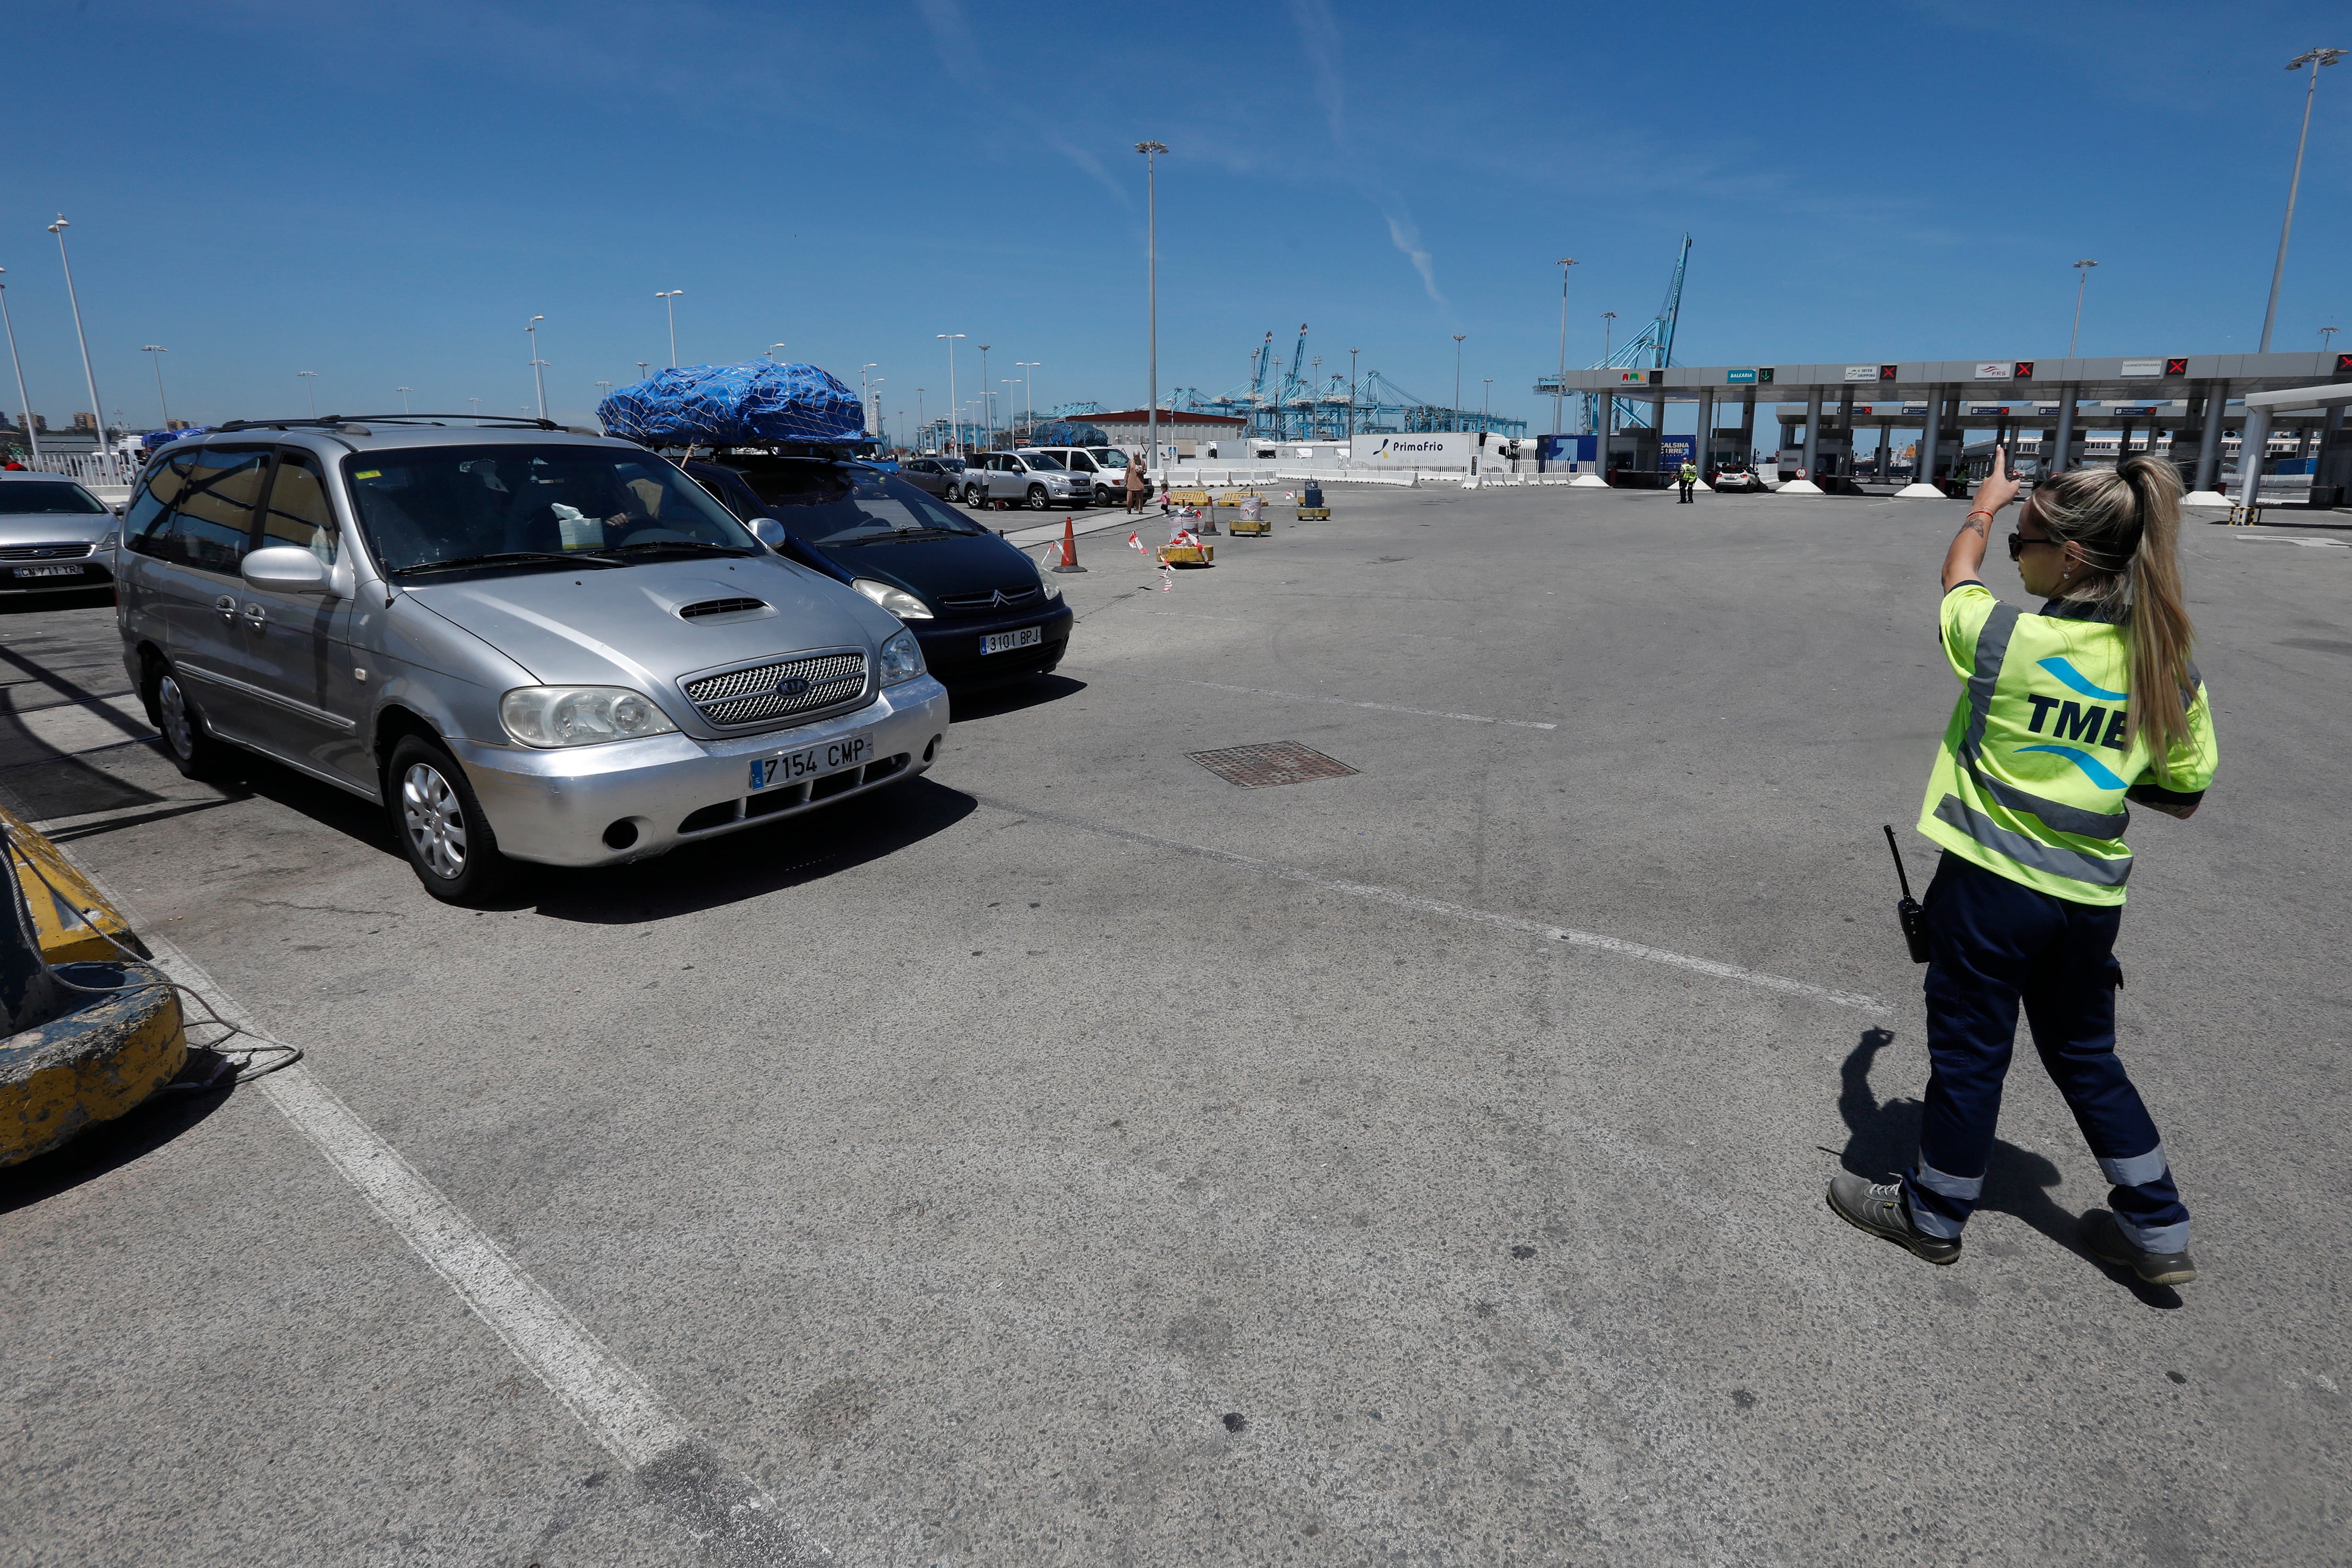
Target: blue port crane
{"x": 1651, "y": 348}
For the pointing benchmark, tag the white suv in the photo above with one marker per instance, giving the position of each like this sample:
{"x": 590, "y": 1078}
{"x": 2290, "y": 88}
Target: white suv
{"x": 1104, "y": 468}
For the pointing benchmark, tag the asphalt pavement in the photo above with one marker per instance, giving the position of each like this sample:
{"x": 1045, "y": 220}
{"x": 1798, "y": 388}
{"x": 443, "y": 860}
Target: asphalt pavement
{"x": 1073, "y": 1156}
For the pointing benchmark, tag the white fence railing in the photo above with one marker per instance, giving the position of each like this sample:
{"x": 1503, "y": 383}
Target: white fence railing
{"x": 90, "y": 468}
{"x": 1200, "y": 477}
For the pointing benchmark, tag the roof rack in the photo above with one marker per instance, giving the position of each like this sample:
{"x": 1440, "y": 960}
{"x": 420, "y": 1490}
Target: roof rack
{"x": 329, "y": 420}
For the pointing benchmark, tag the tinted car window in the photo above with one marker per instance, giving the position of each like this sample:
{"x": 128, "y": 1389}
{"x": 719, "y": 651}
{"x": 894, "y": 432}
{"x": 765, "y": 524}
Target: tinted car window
{"x": 196, "y": 508}
{"x": 299, "y": 513}
{"x": 1109, "y": 456}
{"x": 1042, "y": 460}
{"x": 837, "y": 506}
{"x": 441, "y": 505}
{"x": 22, "y": 497}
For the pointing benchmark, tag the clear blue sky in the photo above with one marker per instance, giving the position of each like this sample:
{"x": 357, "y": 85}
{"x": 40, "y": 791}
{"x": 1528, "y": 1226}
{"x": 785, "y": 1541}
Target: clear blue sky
{"x": 384, "y": 194}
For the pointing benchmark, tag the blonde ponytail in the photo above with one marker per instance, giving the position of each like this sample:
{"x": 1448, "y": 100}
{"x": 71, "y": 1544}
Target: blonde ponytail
{"x": 2125, "y": 523}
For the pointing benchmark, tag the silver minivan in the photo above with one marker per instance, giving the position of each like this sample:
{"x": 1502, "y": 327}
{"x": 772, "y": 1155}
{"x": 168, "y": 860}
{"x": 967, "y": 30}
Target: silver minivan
{"x": 529, "y": 645}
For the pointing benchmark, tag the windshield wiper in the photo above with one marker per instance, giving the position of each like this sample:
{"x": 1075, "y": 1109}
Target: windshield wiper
{"x": 671, "y": 544}
{"x": 896, "y": 534}
{"x": 502, "y": 557}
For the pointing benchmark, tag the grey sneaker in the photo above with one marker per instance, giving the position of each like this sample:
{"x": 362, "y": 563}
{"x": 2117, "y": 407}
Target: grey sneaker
{"x": 1878, "y": 1207}
{"x": 2108, "y": 1244}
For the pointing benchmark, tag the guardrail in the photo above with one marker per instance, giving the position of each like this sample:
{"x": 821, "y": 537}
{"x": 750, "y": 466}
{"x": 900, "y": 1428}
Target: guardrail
{"x": 90, "y": 468}
{"x": 1190, "y": 476}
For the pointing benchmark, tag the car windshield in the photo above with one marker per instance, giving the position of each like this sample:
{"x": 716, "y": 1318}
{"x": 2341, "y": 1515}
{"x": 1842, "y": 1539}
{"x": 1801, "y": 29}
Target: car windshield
{"x": 830, "y": 506}
{"x": 1040, "y": 460}
{"x": 1109, "y": 456}
{"x": 25, "y": 497}
{"x": 526, "y": 505}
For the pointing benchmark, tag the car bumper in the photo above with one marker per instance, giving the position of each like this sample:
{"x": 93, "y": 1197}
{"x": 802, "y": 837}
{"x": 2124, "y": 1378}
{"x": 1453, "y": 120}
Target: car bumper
{"x": 557, "y": 808}
{"x": 951, "y": 649}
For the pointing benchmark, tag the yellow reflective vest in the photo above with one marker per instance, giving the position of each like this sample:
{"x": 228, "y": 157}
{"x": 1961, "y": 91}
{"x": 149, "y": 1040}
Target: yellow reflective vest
{"x": 2030, "y": 780}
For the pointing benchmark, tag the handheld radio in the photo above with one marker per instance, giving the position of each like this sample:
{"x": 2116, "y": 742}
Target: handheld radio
{"x": 1907, "y": 913}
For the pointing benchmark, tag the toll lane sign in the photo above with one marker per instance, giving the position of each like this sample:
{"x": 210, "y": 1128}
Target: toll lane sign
{"x": 2004, "y": 370}
{"x": 1759, "y": 375}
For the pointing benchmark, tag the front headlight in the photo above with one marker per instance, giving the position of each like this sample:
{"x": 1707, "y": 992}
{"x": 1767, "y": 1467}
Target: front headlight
{"x": 580, "y": 715}
{"x": 897, "y": 601}
{"x": 902, "y": 659}
{"x": 1045, "y": 582}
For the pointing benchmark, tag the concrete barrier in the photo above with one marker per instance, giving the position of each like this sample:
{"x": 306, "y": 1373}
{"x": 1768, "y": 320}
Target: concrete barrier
{"x": 97, "y": 1062}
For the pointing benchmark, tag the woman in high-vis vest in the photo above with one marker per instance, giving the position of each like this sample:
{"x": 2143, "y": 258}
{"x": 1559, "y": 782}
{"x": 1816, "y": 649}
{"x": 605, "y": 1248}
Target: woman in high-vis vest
{"x": 2064, "y": 715}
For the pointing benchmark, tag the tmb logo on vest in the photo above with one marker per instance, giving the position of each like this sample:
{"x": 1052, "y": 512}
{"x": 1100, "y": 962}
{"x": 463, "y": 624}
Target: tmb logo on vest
{"x": 2097, "y": 726}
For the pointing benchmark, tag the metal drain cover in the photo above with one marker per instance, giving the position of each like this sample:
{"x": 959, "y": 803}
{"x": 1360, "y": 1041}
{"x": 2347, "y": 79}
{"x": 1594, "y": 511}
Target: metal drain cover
{"x": 1275, "y": 762}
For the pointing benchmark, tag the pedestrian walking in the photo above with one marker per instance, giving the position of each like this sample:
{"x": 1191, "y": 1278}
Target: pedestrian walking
{"x": 2064, "y": 715}
{"x": 1689, "y": 477}
{"x": 1139, "y": 483}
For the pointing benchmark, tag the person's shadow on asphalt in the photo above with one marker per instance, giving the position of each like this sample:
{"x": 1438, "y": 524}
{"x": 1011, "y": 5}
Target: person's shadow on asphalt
{"x": 1883, "y": 1137}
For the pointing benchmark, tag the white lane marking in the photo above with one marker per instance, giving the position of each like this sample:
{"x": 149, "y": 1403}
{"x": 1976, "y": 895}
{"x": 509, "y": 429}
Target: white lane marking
{"x": 726, "y": 1512}
{"x": 610, "y": 1399}
{"x": 1416, "y": 902}
{"x": 1383, "y": 707}
{"x": 2281, "y": 539}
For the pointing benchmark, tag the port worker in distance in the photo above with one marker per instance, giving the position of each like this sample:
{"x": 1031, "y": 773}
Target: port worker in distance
{"x": 2063, "y": 715}
{"x": 1689, "y": 477}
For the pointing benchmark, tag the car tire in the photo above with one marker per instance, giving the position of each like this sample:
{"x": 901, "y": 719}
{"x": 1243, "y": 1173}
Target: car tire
{"x": 187, "y": 737}
{"x": 976, "y": 498}
{"x": 1037, "y": 499}
{"x": 440, "y": 824}
{"x": 1103, "y": 497}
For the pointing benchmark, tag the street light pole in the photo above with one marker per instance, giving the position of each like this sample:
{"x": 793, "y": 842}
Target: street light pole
{"x": 22, "y": 401}
{"x": 1457, "y": 374}
{"x": 1608, "y": 424}
{"x": 1559, "y": 389}
{"x": 2314, "y": 59}
{"x": 404, "y": 392}
{"x": 1351, "y": 395}
{"x": 538, "y": 375}
{"x": 2082, "y": 280}
{"x": 1029, "y": 396}
{"x": 1487, "y": 405}
{"x": 668, "y": 296}
{"x": 90, "y": 378}
{"x": 954, "y": 408}
{"x": 2326, "y": 336}
{"x": 159, "y": 352}
{"x": 987, "y": 405}
{"x": 308, "y": 390}
{"x": 1152, "y": 151}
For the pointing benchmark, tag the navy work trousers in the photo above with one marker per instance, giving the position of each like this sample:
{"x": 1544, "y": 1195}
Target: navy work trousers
{"x": 1995, "y": 942}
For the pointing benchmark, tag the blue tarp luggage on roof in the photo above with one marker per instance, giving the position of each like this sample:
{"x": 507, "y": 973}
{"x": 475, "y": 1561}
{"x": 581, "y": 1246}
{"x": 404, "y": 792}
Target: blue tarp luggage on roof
{"x": 733, "y": 405}
{"x": 155, "y": 438}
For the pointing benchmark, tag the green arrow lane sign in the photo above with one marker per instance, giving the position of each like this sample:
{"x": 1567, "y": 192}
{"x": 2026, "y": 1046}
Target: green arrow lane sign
{"x": 1747, "y": 378}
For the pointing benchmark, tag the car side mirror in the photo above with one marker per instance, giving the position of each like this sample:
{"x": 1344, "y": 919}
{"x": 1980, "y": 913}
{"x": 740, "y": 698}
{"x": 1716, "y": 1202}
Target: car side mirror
{"x": 769, "y": 532}
{"x": 119, "y": 507}
{"x": 287, "y": 568}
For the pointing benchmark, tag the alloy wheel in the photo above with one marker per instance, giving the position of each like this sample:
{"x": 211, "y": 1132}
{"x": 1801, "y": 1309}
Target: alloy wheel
{"x": 179, "y": 727}
{"x": 435, "y": 819}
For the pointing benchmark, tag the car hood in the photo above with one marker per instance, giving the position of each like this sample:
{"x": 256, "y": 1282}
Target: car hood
{"x": 620, "y": 626}
{"x": 55, "y": 528}
{"x": 934, "y": 569}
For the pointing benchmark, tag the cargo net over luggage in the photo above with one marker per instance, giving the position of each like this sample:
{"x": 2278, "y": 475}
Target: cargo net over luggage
{"x": 757, "y": 402}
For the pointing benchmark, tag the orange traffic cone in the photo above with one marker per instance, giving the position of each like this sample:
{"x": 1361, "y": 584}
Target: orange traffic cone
{"x": 1069, "y": 561}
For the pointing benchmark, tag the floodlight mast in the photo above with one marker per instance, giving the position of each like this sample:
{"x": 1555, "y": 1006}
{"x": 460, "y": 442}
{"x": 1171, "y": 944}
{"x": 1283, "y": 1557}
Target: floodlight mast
{"x": 1152, "y": 151}
{"x": 2314, "y": 59}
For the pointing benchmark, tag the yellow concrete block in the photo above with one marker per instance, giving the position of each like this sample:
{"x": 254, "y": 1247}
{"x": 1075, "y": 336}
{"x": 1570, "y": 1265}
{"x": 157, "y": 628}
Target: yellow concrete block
{"x": 72, "y": 921}
{"x": 91, "y": 1065}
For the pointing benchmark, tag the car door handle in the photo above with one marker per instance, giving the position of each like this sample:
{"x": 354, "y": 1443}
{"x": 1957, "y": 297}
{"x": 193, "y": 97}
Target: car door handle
{"x": 256, "y": 615}
{"x": 227, "y": 606}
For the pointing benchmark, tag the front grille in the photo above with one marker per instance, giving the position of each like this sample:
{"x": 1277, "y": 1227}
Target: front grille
{"x": 977, "y": 604}
{"x": 750, "y": 695}
{"x": 72, "y": 549}
{"x": 721, "y": 607}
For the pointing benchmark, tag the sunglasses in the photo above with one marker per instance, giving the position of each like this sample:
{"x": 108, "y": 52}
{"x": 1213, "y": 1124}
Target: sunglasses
{"x": 2017, "y": 543}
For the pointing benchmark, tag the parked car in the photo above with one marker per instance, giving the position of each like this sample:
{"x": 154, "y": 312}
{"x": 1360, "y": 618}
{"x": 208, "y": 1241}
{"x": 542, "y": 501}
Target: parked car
{"x": 1105, "y": 467}
{"x": 1028, "y": 479}
{"x": 527, "y": 644}
{"x": 55, "y": 536}
{"x": 932, "y": 476}
{"x": 1736, "y": 479}
{"x": 980, "y": 608}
